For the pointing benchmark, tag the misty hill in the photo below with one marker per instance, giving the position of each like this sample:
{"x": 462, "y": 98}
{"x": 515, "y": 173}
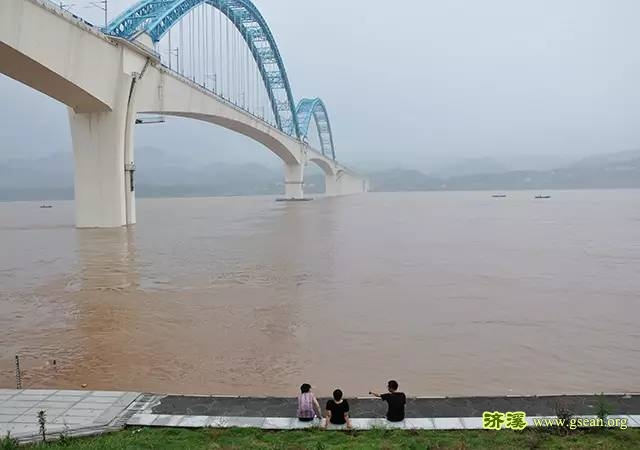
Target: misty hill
{"x": 53, "y": 171}
{"x": 158, "y": 174}
{"x": 610, "y": 161}
{"x": 393, "y": 180}
{"x": 470, "y": 167}
{"x": 163, "y": 174}
{"x": 616, "y": 170}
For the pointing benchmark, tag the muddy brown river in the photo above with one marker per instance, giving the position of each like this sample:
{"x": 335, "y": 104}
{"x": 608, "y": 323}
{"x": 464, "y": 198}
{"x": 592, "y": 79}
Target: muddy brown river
{"x": 450, "y": 293}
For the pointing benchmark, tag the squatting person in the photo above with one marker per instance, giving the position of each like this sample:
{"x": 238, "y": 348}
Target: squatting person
{"x": 395, "y": 401}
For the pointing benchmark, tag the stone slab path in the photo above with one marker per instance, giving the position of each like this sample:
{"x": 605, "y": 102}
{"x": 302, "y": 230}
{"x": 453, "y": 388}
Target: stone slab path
{"x": 72, "y": 412}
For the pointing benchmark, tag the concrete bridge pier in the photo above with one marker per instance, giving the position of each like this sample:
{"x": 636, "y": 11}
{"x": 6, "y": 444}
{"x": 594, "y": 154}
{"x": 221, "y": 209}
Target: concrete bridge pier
{"x": 104, "y": 193}
{"x": 293, "y": 181}
{"x": 350, "y": 184}
{"x": 331, "y": 185}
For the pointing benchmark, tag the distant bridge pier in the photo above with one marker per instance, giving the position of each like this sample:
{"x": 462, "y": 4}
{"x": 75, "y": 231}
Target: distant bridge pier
{"x": 347, "y": 184}
{"x": 338, "y": 180}
{"x": 293, "y": 181}
{"x": 331, "y": 185}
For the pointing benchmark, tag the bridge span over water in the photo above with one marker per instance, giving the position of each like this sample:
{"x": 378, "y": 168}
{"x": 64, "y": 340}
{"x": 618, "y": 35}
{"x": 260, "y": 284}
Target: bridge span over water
{"x": 210, "y": 60}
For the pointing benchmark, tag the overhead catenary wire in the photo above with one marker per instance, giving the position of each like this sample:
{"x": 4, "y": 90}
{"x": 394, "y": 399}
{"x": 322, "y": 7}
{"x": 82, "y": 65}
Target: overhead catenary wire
{"x": 219, "y": 14}
{"x": 226, "y": 56}
{"x": 170, "y": 51}
{"x": 181, "y": 51}
{"x": 239, "y": 52}
{"x": 191, "y": 45}
{"x": 234, "y": 61}
{"x": 199, "y": 43}
{"x": 257, "y": 92}
{"x": 245, "y": 74}
{"x": 213, "y": 50}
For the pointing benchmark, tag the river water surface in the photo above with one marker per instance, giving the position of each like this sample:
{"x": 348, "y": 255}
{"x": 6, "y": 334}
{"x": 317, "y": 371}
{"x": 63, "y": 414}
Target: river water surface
{"x": 450, "y": 293}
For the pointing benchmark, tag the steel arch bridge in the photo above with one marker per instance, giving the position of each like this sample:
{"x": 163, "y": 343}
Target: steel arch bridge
{"x": 314, "y": 107}
{"x": 157, "y": 17}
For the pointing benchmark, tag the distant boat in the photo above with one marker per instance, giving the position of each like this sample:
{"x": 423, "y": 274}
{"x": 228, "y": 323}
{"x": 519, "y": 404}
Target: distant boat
{"x": 46, "y": 206}
{"x": 542, "y": 196}
{"x": 499, "y": 195}
{"x": 306, "y": 199}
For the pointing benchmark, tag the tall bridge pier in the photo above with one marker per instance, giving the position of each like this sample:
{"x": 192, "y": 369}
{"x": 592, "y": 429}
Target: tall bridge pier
{"x": 103, "y": 180}
{"x": 294, "y": 181}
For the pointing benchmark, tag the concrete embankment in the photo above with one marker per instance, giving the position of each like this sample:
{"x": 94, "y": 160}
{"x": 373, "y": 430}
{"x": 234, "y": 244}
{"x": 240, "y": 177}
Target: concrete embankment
{"x": 81, "y": 412}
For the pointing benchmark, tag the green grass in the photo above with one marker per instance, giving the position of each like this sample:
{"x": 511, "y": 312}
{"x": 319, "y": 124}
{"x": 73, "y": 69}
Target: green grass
{"x": 173, "y": 438}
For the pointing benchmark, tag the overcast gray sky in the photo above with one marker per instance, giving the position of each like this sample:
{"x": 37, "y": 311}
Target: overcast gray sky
{"x": 418, "y": 84}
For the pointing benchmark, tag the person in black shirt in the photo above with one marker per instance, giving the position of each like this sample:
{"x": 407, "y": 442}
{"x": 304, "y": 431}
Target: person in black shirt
{"x": 395, "y": 402}
{"x": 338, "y": 410}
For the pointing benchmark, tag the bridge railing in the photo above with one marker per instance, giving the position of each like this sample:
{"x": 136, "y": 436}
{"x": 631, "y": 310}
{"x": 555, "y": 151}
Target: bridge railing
{"x": 221, "y": 99}
{"x": 231, "y": 104}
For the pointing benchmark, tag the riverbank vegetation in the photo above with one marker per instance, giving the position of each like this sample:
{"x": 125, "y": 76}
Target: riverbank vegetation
{"x": 172, "y": 438}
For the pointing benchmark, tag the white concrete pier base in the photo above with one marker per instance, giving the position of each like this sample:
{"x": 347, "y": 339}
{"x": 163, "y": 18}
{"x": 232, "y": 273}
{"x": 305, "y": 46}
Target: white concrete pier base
{"x": 293, "y": 182}
{"x": 331, "y": 185}
{"x": 98, "y": 148}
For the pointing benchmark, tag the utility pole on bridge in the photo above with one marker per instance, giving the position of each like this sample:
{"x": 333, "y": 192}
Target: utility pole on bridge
{"x": 103, "y": 5}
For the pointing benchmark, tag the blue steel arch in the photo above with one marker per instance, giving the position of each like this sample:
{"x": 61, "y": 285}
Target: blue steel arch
{"x": 156, "y": 17}
{"x": 309, "y": 107}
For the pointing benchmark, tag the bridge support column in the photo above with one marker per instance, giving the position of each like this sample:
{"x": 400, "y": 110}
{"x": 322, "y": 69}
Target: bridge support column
{"x": 101, "y": 189}
{"x": 293, "y": 181}
{"x": 331, "y": 185}
{"x": 346, "y": 184}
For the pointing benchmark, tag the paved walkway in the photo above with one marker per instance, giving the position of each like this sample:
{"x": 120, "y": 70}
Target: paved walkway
{"x": 69, "y": 412}
{"x": 367, "y": 413}
{"x": 81, "y": 412}
{"x": 370, "y": 407}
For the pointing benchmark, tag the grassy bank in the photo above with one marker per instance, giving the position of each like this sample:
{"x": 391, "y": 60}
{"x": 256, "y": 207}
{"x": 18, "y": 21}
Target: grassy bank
{"x": 168, "y": 438}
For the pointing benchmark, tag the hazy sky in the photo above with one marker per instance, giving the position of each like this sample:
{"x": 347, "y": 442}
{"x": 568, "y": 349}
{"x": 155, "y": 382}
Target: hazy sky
{"x": 418, "y": 84}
